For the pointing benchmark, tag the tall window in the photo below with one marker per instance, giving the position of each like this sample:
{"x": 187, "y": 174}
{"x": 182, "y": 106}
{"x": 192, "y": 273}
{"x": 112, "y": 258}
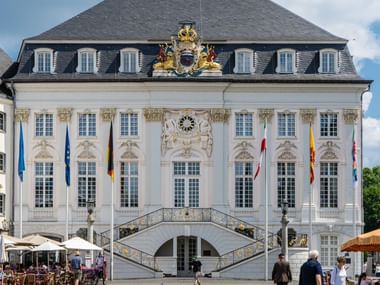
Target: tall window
{"x": 286, "y": 125}
{"x": 3, "y": 121}
{"x": 329, "y": 250}
{"x": 243, "y": 184}
{"x": 44, "y": 184}
{"x": 286, "y": 61}
{"x": 286, "y": 183}
{"x": 129, "y": 60}
{"x": 86, "y": 182}
{"x": 329, "y": 185}
{"x": 2, "y": 161}
{"x": 243, "y": 61}
{"x": 129, "y": 178}
{"x": 329, "y": 125}
{"x": 243, "y": 125}
{"x": 44, "y": 125}
{"x": 186, "y": 184}
{"x": 43, "y": 60}
{"x": 328, "y": 61}
{"x": 87, "y": 61}
{"x": 87, "y": 125}
{"x": 128, "y": 124}
{"x": 2, "y": 204}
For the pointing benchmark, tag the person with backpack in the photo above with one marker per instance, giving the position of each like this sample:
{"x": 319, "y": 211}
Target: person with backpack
{"x": 197, "y": 267}
{"x": 281, "y": 274}
{"x": 339, "y": 274}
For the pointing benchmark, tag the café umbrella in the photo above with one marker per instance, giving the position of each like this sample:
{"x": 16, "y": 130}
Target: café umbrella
{"x": 47, "y": 246}
{"x": 365, "y": 242}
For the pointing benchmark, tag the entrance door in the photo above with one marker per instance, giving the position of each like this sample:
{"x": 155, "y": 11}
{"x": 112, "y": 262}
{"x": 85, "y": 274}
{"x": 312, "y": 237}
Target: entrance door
{"x": 186, "y": 184}
{"x": 186, "y": 249}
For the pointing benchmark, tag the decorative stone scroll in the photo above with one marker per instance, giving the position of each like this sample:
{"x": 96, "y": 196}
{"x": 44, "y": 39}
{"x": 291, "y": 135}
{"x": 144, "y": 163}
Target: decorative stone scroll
{"x": 329, "y": 150}
{"x": 44, "y": 152}
{"x": 154, "y": 114}
{"x": 128, "y": 153}
{"x": 186, "y": 129}
{"x": 350, "y": 116}
{"x": 22, "y": 114}
{"x": 287, "y": 150}
{"x": 220, "y": 115}
{"x": 86, "y": 152}
{"x": 244, "y": 151}
{"x": 266, "y": 115}
{"x": 108, "y": 114}
{"x": 64, "y": 114}
{"x": 308, "y": 115}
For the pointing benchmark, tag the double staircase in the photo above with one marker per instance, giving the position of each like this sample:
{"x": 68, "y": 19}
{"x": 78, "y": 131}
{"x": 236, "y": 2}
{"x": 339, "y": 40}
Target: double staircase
{"x": 187, "y": 215}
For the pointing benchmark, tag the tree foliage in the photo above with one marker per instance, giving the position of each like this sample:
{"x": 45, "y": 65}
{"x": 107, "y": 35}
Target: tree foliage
{"x": 371, "y": 198}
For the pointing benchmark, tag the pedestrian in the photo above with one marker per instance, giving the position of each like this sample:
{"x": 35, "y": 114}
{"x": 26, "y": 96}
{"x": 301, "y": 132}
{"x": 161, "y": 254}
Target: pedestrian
{"x": 76, "y": 263}
{"x": 363, "y": 279}
{"x": 197, "y": 270}
{"x": 99, "y": 266}
{"x": 339, "y": 274}
{"x": 281, "y": 274}
{"x": 311, "y": 270}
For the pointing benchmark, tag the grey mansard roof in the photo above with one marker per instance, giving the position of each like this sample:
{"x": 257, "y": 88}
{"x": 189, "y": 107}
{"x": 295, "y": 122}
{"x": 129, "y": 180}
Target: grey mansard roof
{"x": 5, "y": 62}
{"x": 216, "y": 20}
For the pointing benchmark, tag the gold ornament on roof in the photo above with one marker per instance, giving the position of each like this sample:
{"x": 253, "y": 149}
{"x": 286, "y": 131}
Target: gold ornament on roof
{"x": 186, "y": 56}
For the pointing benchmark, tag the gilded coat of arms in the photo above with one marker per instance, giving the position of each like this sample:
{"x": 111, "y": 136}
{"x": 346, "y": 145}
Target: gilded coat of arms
{"x": 186, "y": 56}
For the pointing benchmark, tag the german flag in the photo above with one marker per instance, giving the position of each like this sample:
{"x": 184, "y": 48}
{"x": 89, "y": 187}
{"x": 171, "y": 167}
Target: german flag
{"x": 110, "y": 168}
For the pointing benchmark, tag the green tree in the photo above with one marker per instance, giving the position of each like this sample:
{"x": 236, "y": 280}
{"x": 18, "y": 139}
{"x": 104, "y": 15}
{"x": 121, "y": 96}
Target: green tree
{"x": 371, "y": 198}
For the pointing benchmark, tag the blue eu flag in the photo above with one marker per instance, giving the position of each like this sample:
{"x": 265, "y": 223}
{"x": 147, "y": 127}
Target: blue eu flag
{"x": 67, "y": 157}
{"x": 21, "y": 160}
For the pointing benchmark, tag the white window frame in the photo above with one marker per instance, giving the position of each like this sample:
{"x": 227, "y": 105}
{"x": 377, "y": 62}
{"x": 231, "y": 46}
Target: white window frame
{"x": 247, "y": 56}
{"x": 329, "y": 250}
{"x": 331, "y": 190}
{"x": 244, "y": 126}
{"x": 330, "y": 130}
{"x": 126, "y": 129}
{"x": 44, "y": 52}
{"x": 130, "y": 52}
{"x": 286, "y": 189}
{"x": 88, "y": 51}
{"x": 3, "y": 161}
{"x": 44, "y": 125}
{"x": 126, "y": 198}
{"x": 245, "y": 200}
{"x": 87, "y": 126}
{"x": 283, "y": 68}
{"x": 2, "y": 204}
{"x": 88, "y": 179}
{"x": 321, "y": 68}
{"x": 187, "y": 180}
{"x": 3, "y": 122}
{"x": 287, "y": 124}
{"x": 46, "y": 178}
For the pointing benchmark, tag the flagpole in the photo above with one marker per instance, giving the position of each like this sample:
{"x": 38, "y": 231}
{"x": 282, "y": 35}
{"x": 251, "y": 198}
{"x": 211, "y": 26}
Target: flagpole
{"x": 266, "y": 210}
{"x": 354, "y": 182}
{"x": 21, "y": 209}
{"x": 311, "y": 180}
{"x": 112, "y": 225}
{"x": 67, "y": 187}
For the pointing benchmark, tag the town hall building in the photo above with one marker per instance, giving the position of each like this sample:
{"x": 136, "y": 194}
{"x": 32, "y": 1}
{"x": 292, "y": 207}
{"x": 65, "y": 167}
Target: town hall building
{"x": 191, "y": 88}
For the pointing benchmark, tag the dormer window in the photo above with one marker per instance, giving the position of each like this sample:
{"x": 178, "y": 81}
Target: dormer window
{"x": 43, "y": 60}
{"x": 244, "y": 61}
{"x": 87, "y": 61}
{"x": 286, "y": 61}
{"x": 328, "y": 61}
{"x": 130, "y": 60}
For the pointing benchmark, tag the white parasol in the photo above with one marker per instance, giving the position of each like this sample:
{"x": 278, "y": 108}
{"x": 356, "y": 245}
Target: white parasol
{"x": 80, "y": 244}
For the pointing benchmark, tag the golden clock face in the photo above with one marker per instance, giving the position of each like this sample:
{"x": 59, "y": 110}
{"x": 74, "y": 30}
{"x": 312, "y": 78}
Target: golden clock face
{"x": 186, "y": 123}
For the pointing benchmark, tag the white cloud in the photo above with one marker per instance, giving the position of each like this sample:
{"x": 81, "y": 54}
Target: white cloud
{"x": 371, "y": 142}
{"x": 367, "y": 98}
{"x": 350, "y": 19}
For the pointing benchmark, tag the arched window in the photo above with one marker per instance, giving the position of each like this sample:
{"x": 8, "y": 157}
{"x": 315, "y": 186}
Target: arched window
{"x": 87, "y": 60}
{"x": 244, "y": 61}
{"x": 130, "y": 60}
{"x": 328, "y": 59}
{"x": 43, "y": 60}
{"x": 286, "y": 61}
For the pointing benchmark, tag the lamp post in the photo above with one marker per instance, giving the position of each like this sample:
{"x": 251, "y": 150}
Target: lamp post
{"x": 90, "y": 223}
{"x": 284, "y": 224}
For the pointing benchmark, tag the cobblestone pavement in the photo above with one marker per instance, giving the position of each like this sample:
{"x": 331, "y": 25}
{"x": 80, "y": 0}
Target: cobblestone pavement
{"x": 188, "y": 281}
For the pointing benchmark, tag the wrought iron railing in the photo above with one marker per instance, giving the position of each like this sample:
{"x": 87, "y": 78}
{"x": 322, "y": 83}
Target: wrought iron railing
{"x": 126, "y": 251}
{"x": 186, "y": 215}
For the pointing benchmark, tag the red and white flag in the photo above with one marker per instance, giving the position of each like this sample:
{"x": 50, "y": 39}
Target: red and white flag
{"x": 262, "y": 150}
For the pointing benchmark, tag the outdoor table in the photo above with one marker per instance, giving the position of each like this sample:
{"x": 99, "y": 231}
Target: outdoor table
{"x": 373, "y": 279}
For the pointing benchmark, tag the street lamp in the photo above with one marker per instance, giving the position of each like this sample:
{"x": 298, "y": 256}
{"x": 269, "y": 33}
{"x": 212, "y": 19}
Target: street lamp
{"x": 284, "y": 224}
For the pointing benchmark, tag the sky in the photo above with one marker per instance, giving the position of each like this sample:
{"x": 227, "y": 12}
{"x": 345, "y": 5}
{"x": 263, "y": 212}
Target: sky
{"x": 355, "y": 20}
